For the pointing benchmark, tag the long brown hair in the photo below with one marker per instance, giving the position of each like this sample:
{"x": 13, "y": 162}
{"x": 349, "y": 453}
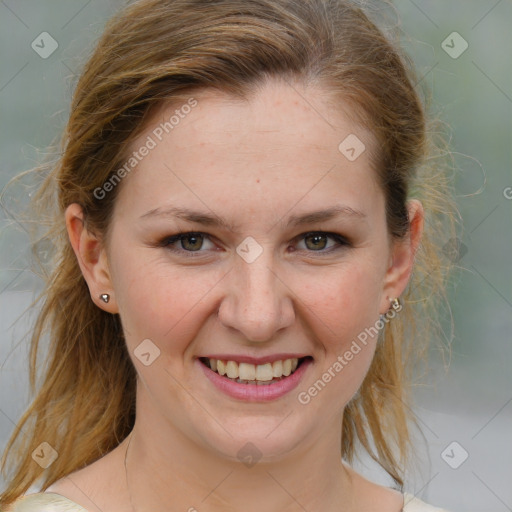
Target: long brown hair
{"x": 159, "y": 51}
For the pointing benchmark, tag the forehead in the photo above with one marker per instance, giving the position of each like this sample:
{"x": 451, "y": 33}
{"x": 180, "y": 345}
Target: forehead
{"x": 274, "y": 112}
{"x": 283, "y": 143}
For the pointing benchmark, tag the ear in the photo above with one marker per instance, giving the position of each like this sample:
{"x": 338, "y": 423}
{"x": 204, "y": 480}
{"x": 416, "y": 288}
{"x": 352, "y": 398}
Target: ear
{"x": 92, "y": 258}
{"x": 401, "y": 260}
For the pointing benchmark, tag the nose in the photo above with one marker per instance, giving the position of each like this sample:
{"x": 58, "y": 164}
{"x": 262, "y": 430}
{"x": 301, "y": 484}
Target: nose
{"x": 257, "y": 303}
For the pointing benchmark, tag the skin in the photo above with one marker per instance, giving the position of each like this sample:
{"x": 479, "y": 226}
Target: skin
{"x": 254, "y": 163}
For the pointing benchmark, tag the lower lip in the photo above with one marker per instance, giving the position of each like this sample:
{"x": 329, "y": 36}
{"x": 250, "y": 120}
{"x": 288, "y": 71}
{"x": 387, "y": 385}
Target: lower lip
{"x": 253, "y": 392}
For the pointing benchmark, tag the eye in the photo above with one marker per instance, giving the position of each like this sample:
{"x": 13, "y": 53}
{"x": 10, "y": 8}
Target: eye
{"x": 317, "y": 241}
{"x": 190, "y": 242}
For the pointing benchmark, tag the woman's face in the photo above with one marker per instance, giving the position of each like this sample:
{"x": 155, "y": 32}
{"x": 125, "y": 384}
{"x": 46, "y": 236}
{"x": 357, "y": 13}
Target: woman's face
{"x": 300, "y": 265}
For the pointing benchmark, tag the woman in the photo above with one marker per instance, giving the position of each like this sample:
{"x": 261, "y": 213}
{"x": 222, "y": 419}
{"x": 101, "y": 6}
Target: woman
{"x": 242, "y": 196}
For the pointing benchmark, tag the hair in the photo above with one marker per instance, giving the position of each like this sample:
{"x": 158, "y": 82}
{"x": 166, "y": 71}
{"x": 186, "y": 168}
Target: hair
{"x": 155, "y": 52}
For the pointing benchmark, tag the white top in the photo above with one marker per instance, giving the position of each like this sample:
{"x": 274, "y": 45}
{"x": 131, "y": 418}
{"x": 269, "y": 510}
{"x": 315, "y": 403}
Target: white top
{"x": 52, "y": 502}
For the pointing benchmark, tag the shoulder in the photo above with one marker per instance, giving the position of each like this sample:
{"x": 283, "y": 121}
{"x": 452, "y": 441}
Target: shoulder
{"x": 413, "y": 504}
{"x": 44, "y": 502}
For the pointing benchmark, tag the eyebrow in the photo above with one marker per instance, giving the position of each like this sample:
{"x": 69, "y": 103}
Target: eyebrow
{"x": 217, "y": 221}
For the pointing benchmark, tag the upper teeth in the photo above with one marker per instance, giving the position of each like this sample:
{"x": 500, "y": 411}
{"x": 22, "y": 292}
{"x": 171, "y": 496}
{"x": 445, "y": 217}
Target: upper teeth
{"x": 247, "y": 371}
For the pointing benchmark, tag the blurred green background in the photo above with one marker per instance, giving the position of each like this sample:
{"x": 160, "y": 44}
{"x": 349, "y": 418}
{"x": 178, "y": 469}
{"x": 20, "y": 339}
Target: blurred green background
{"x": 465, "y": 412}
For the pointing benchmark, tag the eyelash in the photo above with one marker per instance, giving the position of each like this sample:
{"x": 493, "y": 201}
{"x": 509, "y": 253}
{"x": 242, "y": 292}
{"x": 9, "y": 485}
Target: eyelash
{"x": 341, "y": 242}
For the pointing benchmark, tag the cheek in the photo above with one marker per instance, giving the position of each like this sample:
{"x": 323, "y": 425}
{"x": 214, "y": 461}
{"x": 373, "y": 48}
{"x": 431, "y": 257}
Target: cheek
{"x": 342, "y": 303}
{"x": 160, "y": 302}
{"x": 341, "y": 315}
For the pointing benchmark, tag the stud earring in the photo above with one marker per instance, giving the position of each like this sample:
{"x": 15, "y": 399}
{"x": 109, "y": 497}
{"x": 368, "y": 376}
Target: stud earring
{"x": 105, "y": 297}
{"x": 396, "y": 304}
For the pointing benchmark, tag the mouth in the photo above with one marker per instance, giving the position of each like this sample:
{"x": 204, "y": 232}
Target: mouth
{"x": 255, "y": 374}
{"x": 249, "y": 382}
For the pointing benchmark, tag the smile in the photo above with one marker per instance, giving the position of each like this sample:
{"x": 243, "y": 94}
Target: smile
{"x": 246, "y": 373}
{"x": 255, "y": 382}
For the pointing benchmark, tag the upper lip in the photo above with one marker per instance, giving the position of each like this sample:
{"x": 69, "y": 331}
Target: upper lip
{"x": 255, "y": 360}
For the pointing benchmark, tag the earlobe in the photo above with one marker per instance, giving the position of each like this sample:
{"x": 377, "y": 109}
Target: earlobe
{"x": 92, "y": 258}
{"x": 402, "y": 257}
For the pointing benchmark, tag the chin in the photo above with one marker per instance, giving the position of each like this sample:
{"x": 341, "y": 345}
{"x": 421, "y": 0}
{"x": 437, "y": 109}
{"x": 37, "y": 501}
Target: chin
{"x": 267, "y": 439}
